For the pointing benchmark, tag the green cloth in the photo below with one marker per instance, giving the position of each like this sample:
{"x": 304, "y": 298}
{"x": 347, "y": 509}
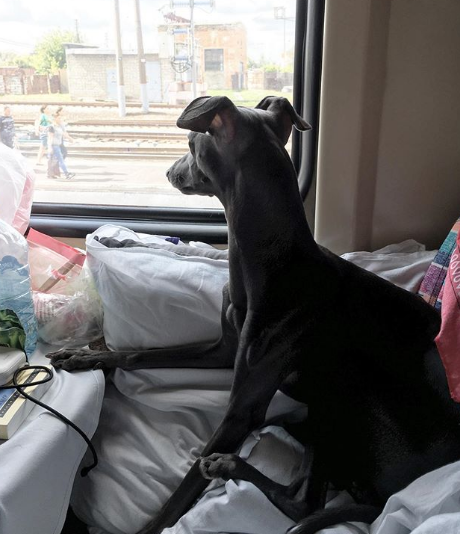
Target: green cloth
{"x": 11, "y": 332}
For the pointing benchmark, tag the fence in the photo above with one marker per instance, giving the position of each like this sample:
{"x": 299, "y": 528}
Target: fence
{"x": 14, "y": 81}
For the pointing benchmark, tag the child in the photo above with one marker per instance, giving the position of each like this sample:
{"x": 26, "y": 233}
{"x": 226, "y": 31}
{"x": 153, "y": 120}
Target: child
{"x": 41, "y": 129}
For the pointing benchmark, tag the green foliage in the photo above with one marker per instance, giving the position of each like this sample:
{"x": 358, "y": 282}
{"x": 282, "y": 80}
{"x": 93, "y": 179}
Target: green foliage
{"x": 24, "y": 62}
{"x": 49, "y": 54}
{"x": 271, "y": 67}
{"x": 9, "y": 59}
{"x": 249, "y": 98}
{"x": 262, "y": 63}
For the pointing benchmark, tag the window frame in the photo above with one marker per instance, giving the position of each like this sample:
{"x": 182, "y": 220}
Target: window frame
{"x": 209, "y": 225}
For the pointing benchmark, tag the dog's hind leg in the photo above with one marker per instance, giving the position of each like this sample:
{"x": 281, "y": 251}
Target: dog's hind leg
{"x": 296, "y": 500}
{"x": 362, "y": 513}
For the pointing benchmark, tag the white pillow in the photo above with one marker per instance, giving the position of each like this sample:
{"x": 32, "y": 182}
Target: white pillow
{"x": 156, "y": 297}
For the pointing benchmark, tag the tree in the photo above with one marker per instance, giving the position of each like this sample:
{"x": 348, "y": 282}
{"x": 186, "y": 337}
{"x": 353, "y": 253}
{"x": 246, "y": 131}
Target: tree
{"x": 49, "y": 53}
{"x": 10, "y": 59}
{"x": 24, "y": 62}
{"x": 7, "y": 58}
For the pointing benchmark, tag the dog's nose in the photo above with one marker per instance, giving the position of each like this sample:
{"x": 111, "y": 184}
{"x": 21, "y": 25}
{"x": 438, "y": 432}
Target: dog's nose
{"x": 170, "y": 175}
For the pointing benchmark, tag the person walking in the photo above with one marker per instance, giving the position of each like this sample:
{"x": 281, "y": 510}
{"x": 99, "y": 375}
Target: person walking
{"x": 60, "y": 112}
{"x": 7, "y": 131}
{"x": 41, "y": 129}
{"x": 56, "y": 136}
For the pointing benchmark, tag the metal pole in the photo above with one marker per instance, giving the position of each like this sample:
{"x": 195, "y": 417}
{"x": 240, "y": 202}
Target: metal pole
{"x": 141, "y": 59}
{"x": 77, "y": 32}
{"x": 119, "y": 61}
{"x": 284, "y": 41}
{"x": 192, "y": 33}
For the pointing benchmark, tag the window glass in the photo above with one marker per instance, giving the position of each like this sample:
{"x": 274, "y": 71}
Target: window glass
{"x": 110, "y": 78}
{"x": 214, "y": 59}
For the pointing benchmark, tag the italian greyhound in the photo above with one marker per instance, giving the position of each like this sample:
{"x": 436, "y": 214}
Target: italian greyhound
{"x": 357, "y": 349}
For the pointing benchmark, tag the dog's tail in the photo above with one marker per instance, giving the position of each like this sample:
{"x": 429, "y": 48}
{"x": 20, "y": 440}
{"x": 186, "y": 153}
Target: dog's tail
{"x": 362, "y": 513}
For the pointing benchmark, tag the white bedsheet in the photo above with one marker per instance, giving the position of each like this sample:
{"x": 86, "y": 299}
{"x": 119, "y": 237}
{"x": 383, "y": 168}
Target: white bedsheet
{"x": 430, "y": 505}
{"x": 38, "y": 464}
{"x": 155, "y": 422}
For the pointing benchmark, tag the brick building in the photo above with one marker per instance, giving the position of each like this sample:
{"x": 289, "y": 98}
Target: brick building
{"x": 221, "y": 52}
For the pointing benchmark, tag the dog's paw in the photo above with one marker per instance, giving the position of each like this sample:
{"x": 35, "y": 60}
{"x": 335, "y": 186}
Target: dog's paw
{"x": 72, "y": 360}
{"x": 224, "y": 466}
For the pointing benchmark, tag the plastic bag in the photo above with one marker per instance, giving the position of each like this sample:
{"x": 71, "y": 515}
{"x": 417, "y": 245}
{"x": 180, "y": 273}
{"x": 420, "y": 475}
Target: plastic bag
{"x": 18, "y": 326}
{"x": 71, "y": 320}
{"x": 16, "y": 189}
{"x": 53, "y": 264}
{"x": 67, "y": 305}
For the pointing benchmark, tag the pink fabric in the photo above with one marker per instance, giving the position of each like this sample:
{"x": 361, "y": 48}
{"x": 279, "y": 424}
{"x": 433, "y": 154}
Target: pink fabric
{"x": 448, "y": 339}
{"x": 22, "y": 216}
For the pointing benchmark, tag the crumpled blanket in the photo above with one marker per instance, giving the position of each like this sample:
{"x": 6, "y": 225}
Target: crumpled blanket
{"x": 155, "y": 422}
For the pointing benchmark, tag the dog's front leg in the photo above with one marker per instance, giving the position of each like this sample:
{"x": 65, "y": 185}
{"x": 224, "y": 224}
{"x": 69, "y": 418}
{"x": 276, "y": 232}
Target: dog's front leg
{"x": 227, "y": 438}
{"x": 200, "y": 355}
{"x": 212, "y": 355}
{"x": 259, "y": 370}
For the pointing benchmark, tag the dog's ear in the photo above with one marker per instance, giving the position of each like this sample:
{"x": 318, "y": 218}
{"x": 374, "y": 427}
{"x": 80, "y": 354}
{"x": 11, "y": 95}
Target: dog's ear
{"x": 214, "y": 114}
{"x": 285, "y": 116}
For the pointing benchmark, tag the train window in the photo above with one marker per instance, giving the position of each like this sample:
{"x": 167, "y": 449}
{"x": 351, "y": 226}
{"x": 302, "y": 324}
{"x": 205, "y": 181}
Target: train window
{"x": 114, "y": 75}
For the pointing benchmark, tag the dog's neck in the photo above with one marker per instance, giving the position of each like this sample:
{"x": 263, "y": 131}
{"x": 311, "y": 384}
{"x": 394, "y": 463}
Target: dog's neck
{"x": 267, "y": 202}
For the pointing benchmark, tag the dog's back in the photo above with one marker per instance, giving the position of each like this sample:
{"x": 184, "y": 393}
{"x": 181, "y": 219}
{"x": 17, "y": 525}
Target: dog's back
{"x": 379, "y": 404}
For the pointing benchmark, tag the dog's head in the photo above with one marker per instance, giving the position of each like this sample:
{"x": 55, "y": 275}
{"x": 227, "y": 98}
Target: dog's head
{"x": 225, "y": 139}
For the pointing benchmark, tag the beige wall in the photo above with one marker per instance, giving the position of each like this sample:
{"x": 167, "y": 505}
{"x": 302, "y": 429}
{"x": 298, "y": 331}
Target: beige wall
{"x": 87, "y": 73}
{"x": 389, "y": 151}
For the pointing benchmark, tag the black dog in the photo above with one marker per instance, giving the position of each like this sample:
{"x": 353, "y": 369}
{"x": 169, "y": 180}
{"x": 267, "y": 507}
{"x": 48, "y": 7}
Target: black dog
{"x": 354, "y": 347}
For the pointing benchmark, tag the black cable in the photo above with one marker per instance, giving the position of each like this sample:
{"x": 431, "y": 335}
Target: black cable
{"x": 49, "y": 372}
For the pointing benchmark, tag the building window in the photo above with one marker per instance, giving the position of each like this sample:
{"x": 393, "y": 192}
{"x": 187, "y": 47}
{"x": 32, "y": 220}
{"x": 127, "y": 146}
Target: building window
{"x": 214, "y": 59}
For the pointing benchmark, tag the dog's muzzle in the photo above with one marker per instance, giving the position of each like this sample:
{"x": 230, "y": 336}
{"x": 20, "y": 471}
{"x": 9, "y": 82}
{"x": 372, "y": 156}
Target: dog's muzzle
{"x": 182, "y": 178}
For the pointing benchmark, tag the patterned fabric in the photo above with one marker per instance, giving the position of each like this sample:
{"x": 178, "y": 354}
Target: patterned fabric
{"x": 448, "y": 339}
{"x": 431, "y": 288}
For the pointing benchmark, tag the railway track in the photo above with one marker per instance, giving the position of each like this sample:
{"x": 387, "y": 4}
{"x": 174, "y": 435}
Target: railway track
{"x": 114, "y": 152}
{"x": 116, "y": 138}
{"x": 113, "y": 138}
{"x": 139, "y": 123}
{"x": 92, "y": 104}
{"x": 130, "y": 136}
{"x": 137, "y": 136}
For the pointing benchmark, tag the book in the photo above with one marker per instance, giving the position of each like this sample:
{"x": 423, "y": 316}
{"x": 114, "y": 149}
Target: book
{"x": 14, "y": 408}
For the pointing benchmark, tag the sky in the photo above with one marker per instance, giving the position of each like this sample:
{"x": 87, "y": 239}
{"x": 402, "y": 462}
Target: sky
{"x": 24, "y": 22}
